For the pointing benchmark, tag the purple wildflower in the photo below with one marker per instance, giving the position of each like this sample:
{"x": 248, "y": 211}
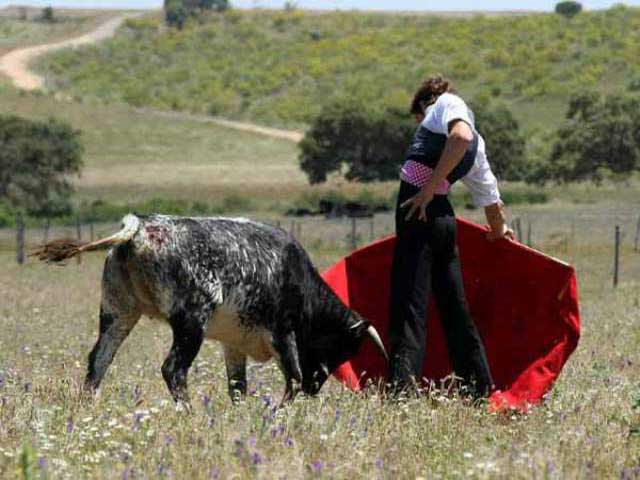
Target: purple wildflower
{"x": 316, "y": 467}
{"x": 137, "y": 421}
{"x": 69, "y": 425}
{"x": 379, "y": 463}
{"x": 27, "y": 387}
{"x": 126, "y": 473}
{"x": 256, "y": 458}
{"x": 168, "y": 440}
{"x": 214, "y": 473}
{"x": 206, "y": 401}
{"x": 289, "y": 442}
{"x": 267, "y": 399}
{"x": 338, "y": 414}
{"x": 42, "y": 463}
{"x": 239, "y": 447}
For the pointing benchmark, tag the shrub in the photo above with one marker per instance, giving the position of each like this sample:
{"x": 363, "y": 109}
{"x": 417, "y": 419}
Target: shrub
{"x": 35, "y": 160}
{"x": 568, "y": 9}
{"x": 599, "y": 135}
{"x": 370, "y": 141}
{"x": 505, "y": 143}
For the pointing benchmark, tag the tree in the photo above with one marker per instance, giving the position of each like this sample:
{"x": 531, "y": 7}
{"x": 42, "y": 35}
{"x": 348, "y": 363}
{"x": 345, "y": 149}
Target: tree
{"x": 176, "y": 12}
{"x": 47, "y": 14}
{"x": 370, "y": 141}
{"x": 505, "y": 143}
{"x": 35, "y": 159}
{"x": 599, "y": 135}
{"x": 568, "y": 9}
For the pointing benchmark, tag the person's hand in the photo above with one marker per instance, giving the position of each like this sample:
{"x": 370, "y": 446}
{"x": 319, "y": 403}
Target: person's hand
{"x": 503, "y": 232}
{"x": 419, "y": 203}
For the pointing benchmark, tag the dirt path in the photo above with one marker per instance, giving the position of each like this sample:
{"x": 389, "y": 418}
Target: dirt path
{"x": 15, "y": 65}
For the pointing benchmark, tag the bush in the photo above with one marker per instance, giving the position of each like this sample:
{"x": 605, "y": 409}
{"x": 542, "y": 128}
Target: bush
{"x": 600, "y": 135}
{"x": 568, "y": 9}
{"x": 35, "y": 160}
{"x": 370, "y": 141}
{"x": 505, "y": 144}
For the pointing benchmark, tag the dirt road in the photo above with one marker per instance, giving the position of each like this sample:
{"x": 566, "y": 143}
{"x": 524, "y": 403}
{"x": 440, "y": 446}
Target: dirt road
{"x": 15, "y": 64}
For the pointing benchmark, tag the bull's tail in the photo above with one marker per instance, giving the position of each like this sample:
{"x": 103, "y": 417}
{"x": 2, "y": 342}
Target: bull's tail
{"x": 57, "y": 251}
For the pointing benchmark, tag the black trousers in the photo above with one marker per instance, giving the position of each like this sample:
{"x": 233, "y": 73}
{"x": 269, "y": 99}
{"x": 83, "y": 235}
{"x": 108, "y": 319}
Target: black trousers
{"x": 426, "y": 261}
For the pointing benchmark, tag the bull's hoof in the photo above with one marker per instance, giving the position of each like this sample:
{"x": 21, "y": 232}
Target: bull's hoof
{"x": 183, "y": 406}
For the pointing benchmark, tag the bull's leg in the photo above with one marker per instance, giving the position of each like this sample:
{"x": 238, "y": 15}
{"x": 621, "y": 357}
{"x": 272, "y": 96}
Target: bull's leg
{"x": 114, "y": 328}
{"x": 188, "y": 334}
{"x": 236, "y": 363}
{"x": 287, "y": 349}
{"x": 119, "y": 313}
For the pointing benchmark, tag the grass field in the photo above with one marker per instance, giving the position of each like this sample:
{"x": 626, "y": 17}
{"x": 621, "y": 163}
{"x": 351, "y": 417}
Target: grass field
{"x": 588, "y": 427}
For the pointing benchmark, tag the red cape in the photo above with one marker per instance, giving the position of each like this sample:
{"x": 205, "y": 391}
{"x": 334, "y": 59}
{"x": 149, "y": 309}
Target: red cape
{"x": 524, "y": 303}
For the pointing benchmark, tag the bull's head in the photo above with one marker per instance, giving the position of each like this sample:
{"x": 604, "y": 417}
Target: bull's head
{"x": 329, "y": 345}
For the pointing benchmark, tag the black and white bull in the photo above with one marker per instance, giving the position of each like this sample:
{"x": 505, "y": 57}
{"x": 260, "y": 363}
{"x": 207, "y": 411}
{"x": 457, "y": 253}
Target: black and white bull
{"x": 247, "y": 284}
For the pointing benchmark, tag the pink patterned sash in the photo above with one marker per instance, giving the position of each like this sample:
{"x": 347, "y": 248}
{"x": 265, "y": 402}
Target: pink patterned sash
{"x": 418, "y": 175}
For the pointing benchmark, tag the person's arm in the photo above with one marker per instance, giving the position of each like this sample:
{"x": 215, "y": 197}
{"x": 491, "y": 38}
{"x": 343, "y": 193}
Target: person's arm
{"x": 460, "y": 136}
{"x": 497, "y": 220}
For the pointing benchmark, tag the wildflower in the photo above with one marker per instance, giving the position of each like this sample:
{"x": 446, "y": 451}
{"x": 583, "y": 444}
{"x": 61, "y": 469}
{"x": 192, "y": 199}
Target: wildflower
{"x": 256, "y": 458}
{"x": 206, "y": 401}
{"x": 467, "y": 455}
{"x": 267, "y": 399}
{"x": 215, "y": 473}
{"x": 69, "y": 425}
{"x": 289, "y": 442}
{"x": 42, "y": 463}
{"x": 379, "y": 463}
{"x": 27, "y": 387}
{"x": 316, "y": 467}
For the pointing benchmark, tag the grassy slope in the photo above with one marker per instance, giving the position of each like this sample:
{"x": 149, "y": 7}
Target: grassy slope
{"x": 267, "y": 67}
{"x": 133, "y": 156}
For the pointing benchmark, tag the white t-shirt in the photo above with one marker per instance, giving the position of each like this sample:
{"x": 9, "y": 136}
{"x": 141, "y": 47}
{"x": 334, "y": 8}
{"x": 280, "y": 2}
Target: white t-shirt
{"x": 480, "y": 180}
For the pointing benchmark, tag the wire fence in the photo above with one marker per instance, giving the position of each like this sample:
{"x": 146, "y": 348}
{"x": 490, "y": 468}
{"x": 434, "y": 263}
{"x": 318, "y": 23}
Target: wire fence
{"x": 564, "y": 232}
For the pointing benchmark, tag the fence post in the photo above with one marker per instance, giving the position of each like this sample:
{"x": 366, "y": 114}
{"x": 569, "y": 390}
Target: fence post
{"x": 91, "y": 232}
{"x": 79, "y": 235}
{"x": 20, "y": 238}
{"x": 47, "y": 226}
{"x": 517, "y": 226}
{"x": 354, "y": 243}
{"x": 636, "y": 242}
{"x": 529, "y": 243}
{"x": 299, "y": 230}
{"x": 371, "y": 234}
{"x": 292, "y": 230}
{"x": 616, "y": 257}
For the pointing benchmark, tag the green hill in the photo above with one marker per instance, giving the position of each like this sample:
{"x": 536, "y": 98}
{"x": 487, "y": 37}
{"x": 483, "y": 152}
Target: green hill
{"x": 279, "y": 67}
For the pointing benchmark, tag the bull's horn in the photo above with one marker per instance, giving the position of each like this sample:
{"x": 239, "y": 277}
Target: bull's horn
{"x": 375, "y": 338}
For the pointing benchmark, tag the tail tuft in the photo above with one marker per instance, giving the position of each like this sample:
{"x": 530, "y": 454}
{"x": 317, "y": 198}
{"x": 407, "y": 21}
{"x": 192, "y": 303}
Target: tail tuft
{"x": 57, "y": 251}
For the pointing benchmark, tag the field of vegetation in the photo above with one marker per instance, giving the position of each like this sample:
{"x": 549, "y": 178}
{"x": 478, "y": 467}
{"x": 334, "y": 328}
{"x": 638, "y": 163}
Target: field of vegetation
{"x": 280, "y": 67}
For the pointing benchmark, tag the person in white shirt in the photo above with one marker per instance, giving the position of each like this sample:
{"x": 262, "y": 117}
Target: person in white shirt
{"x": 445, "y": 148}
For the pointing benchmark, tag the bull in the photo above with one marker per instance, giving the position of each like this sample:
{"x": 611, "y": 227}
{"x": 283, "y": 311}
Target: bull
{"x": 249, "y": 285}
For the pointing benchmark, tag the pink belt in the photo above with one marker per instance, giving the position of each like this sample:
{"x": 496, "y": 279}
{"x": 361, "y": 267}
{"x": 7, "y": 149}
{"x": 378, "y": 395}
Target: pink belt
{"x": 418, "y": 175}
